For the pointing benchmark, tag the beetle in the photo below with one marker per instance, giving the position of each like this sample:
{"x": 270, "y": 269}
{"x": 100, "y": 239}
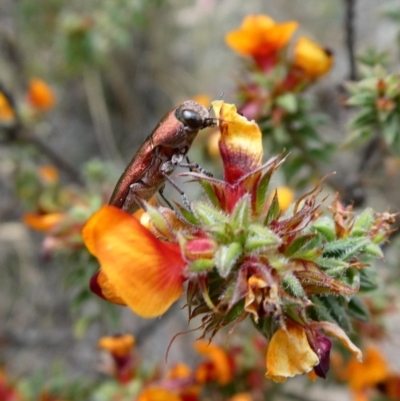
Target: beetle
{"x": 160, "y": 153}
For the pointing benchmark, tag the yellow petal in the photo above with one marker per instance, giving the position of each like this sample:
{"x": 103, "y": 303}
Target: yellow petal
{"x": 312, "y": 58}
{"x": 240, "y": 142}
{"x": 289, "y": 354}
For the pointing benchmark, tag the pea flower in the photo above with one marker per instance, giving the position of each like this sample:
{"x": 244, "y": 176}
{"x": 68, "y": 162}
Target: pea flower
{"x": 238, "y": 255}
{"x": 261, "y": 38}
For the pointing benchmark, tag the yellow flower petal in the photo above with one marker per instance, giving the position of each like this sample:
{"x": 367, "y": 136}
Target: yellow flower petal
{"x": 289, "y": 354}
{"x": 145, "y": 272}
{"x": 240, "y": 142}
{"x": 312, "y": 58}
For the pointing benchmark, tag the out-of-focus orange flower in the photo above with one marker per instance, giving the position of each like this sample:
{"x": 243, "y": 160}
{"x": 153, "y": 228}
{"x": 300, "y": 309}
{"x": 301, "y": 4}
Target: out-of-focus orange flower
{"x": 158, "y": 394}
{"x": 145, "y": 272}
{"x": 179, "y": 371}
{"x": 212, "y": 144}
{"x": 203, "y": 99}
{"x": 311, "y": 58}
{"x": 218, "y": 367}
{"x": 241, "y": 397}
{"x": 121, "y": 349}
{"x": 40, "y": 95}
{"x": 119, "y": 345}
{"x": 368, "y": 373}
{"x": 43, "y": 222}
{"x": 48, "y": 174}
{"x": 260, "y": 35}
{"x": 7, "y": 114}
{"x": 289, "y": 354}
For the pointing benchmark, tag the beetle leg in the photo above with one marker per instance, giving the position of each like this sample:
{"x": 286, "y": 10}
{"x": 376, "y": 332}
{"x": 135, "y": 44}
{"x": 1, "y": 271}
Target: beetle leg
{"x": 185, "y": 200}
{"x": 194, "y": 166}
{"x": 161, "y": 193}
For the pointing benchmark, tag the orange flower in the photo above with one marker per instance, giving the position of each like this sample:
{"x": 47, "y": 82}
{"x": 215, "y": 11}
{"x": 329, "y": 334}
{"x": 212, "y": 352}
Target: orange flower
{"x": 120, "y": 345}
{"x": 311, "y": 58}
{"x": 368, "y": 373}
{"x": 289, "y": 354}
{"x": 260, "y": 35}
{"x": 219, "y": 366}
{"x": 48, "y": 174}
{"x": 145, "y": 272}
{"x": 7, "y": 114}
{"x": 40, "y": 95}
{"x": 43, "y": 222}
{"x": 158, "y": 394}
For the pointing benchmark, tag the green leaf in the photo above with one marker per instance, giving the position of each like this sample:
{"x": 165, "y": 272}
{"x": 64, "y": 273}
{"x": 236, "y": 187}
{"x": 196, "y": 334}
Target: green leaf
{"x": 288, "y": 102}
{"x": 207, "y": 214}
{"x": 226, "y": 258}
{"x": 358, "y": 310}
{"x": 240, "y": 216}
{"x": 326, "y": 226}
{"x": 297, "y": 244}
{"x": 293, "y": 286}
{"x": 363, "y": 223}
{"x": 262, "y": 189}
{"x": 260, "y": 237}
{"x": 201, "y": 265}
{"x": 273, "y": 211}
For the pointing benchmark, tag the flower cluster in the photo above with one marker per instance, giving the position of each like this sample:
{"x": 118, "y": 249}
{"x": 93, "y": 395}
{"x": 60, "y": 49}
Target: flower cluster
{"x": 272, "y": 90}
{"x": 242, "y": 257}
{"x": 218, "y": 372}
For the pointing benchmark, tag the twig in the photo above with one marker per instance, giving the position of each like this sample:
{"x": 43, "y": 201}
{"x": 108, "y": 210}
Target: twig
{"x": 350, "y": 36}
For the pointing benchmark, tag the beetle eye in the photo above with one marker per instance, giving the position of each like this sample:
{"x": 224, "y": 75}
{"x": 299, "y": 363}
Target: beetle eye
{"x": 191, "y": 119}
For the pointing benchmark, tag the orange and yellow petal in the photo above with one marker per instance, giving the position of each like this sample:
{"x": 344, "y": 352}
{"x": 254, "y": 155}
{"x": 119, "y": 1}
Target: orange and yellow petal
{"x": 7, "y": 113}
{"x": 219, "y": 367}
{"x": 240, "y": 142}
{"x": 40, "y": 95}
{"x": 311, "y": 58}
{"x": 43, "y": 222}
{"x": 119, "y": 345}
{"x": 101, "y": 286}
{"x": 260, "y": 35}
{"x": 158, "y": 394}
{"x": 145, "y": 272}
{"x": 368, "y": 373}
{"x": 289, "y": 354}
